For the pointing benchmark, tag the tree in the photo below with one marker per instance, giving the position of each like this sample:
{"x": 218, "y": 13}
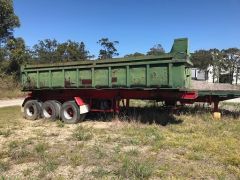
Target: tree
{"x": 109, "y": 50}
{"x": 202, "y": 59}
{"x": 231, "y": 57}
{"x": 217, "y": 63}
{"x": 2, "y": 54}
{"x": 46, "y": 51}
{"x": 8, "y": 20}
{"x": 136, "y": 54}
{"x": 156, "y": 50}
{"x": 51, "y": 51}
{"x": 16, "y": 54}
{"x": 84, "y": 54}
{"x": 72, "y": 51}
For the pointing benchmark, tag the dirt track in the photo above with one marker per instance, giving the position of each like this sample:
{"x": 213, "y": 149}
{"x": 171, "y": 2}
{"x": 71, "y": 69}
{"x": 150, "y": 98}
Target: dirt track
{"x": 11, "y": 102}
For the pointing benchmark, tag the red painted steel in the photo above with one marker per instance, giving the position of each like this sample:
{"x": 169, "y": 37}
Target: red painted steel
{"x": 79, "y": 101}
{"x": 89, "y": 96}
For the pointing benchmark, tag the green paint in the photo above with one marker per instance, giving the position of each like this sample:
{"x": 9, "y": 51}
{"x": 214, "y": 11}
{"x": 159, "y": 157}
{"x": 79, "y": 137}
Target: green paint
{"x": 171, "y": 70}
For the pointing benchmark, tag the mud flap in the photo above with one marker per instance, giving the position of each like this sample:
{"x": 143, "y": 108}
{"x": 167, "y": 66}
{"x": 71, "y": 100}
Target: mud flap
{"x": 84, "y": 109}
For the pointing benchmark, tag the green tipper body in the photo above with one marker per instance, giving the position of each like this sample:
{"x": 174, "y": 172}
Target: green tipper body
{"x": 170, "y": 70}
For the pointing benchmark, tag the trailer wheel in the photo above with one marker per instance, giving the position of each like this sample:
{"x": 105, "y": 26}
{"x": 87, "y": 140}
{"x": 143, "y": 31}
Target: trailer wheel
{"x": 82, "y": 117}
{"x": 51, "y": 110}
{"x": 58, "y": 106}
{"x": 32, "y": 110}
{"x": 70, "y": 112}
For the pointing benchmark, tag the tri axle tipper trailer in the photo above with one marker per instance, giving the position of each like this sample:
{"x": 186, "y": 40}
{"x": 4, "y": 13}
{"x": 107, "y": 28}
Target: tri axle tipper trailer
{"x": 70, "y": 90}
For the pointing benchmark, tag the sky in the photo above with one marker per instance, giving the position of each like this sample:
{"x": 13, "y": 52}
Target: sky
{"x": 136, "y": 24}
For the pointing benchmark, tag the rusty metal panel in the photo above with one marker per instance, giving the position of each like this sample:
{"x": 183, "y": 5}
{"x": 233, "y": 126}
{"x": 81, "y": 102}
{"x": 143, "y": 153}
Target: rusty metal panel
{"x": 70, "y": 79}
{"x": 138, "y": 76}
{"x": 101, "y": 77}
{"x": 85, "y": 78}
{"x": 159, "y": 76}
{"x": 119, "y": 77}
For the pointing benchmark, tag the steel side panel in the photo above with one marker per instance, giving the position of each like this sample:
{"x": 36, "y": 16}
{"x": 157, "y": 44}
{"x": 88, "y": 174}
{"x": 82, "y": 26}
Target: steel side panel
{"x": 156, "y": 75}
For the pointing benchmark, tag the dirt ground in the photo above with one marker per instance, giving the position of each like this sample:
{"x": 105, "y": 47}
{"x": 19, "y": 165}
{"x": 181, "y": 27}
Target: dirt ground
{"x": 11, "y": 102}
{"x": 203, "y": 85}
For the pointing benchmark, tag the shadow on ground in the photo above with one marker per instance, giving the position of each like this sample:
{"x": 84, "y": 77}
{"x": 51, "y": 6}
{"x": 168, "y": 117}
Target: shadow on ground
{"x": 199, "y": 110}
{"x": 145, "y": 115}
{"x": 158, "y": 115}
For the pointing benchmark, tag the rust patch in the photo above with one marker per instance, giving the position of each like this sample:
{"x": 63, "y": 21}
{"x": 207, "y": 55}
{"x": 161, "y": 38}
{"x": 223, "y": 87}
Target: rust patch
{"x": 86, "y": 81}
{"x": 154, "y": 75}
{"x": 68, "y": 83}
{"x": 114, "y": 79}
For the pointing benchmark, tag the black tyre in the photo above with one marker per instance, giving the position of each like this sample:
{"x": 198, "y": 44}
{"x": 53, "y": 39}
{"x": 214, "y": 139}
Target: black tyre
{"x": 82, "y": 117}
{"x": 51, "y": 110}
{"x": 58, "y": 106}
{"x": 32, "y": 110}
{"x": 70, "y": 112}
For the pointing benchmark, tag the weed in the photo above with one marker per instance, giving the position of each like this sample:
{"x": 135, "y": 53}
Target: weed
{"x": 194, "y": 156}
{"x": 162, "y": 170}
{"x": 233, "y": 160}
{"x": 13, "y": 144}
{"x": 75, "y": 159}
{"x": 99, "y": 172}
{"x": 132, "y": 152}
{"x": 48, "y": 166}
{"x": 5, "y": 133}
{"x": 26, "y": 172}
{"x": 135, "y": 169}
{"x": 4, "y": 166}
{"x": 40, "y": 148}
{"x": 146, "y": 135}
{"x": 19, "y": 155}
{"x": 60, "y": 124}
{"x": 82, "y": 133}
{"x": 98, "y": 151}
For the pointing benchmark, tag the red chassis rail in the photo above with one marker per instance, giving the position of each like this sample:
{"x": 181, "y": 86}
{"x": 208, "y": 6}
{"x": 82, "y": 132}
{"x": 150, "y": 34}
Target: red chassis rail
{"x": 89, "y": 96}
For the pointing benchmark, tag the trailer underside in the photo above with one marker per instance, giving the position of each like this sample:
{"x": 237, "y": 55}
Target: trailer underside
{"x": 51, "y": 102}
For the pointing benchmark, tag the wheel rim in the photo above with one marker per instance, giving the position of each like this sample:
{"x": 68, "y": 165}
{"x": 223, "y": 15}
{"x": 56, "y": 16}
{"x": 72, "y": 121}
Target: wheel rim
{"x": 68, "y": 113}
{"x": 30, "y": 110}
{"x": 47, "y": 112}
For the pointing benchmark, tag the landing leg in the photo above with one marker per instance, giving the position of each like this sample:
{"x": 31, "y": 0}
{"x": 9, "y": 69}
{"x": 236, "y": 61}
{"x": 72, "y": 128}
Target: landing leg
{"x": 215, "y": 109}
{"x": 116, "y": 107}
{"x": 127, "y": 103}
{"x": 216, "y": 113}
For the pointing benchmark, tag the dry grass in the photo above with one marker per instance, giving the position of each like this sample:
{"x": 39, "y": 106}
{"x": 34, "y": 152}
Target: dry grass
{"x": 9, "y": 88}
{"x": 141, "y": 144}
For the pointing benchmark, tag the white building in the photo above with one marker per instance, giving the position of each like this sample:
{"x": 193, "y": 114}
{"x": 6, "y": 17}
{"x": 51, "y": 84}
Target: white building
{"x": 198, "y": 74}
{"x": 222, "y": 77}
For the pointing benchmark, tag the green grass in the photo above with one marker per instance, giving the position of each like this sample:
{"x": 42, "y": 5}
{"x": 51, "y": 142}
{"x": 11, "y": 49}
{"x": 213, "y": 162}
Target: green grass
{"x": 135, "y": 169}
{"x": 10, "y": 119}
{"x": 190, "y": 145}
{"x": 82, "y": 133}
{"x": 41, "y": 148}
